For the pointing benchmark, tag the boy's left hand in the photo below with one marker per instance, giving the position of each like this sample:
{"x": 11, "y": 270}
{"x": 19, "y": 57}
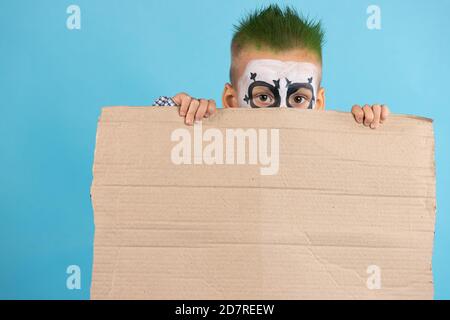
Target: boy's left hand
{"x": 371, "y": 116}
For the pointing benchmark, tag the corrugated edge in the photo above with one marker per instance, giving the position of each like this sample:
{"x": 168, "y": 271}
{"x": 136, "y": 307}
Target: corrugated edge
{"x": 416, "y": 117}
{"x": 99, "y": 119}
{"x": 90, "y": 197}
{"x": 435, "y": 209}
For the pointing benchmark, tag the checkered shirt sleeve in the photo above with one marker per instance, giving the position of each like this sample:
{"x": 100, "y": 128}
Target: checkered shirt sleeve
{"x": 164, "y": 101}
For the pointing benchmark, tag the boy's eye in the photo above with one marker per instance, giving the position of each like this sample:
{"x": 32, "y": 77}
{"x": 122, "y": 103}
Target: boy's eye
{"x": 298, "y": 99}
{"x": 263, "y": 95}
{"x": 263, "y": 100}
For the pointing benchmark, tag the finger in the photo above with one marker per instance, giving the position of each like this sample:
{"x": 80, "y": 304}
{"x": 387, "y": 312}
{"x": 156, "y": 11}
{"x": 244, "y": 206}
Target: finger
{"x": 211, "y": 108}
{"x": 376, "y": 116}
{"x": 179, "y": 97}
{"x": 368, "y": 115}
{"x": 358, "y": 113}
{"x": 191, "y": 111}
{"x": 201, "y": 110}
{"x": 384, "y": 113}
{"x": 184, "y": 105}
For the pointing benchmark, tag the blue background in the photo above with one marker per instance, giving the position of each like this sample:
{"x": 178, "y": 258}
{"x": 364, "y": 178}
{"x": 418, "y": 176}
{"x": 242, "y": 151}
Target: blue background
{"x": 53, "y": 82}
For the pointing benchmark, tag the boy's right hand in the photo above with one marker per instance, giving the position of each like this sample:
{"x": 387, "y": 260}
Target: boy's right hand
{"x": 193, "y": 109}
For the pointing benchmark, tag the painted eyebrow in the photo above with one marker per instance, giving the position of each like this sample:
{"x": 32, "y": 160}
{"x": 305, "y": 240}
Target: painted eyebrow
{"x": 262, "y": 89}
{"x": 294, "y": 87}
{"x": 303, "y": 91}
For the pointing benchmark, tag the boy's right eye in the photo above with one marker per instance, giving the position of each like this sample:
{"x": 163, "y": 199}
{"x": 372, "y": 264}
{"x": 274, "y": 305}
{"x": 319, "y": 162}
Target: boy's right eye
{"x": 263, "y": 100}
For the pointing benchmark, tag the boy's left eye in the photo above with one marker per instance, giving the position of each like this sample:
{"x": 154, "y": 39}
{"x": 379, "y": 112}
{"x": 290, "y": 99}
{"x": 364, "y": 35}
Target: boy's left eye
{"x": 298, "y": 101}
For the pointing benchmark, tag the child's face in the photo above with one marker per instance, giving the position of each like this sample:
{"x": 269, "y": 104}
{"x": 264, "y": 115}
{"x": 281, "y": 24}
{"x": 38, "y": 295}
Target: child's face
{"x": 267, "y": 79}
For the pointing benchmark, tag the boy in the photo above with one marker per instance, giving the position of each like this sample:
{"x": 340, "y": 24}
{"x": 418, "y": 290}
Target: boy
{"x": 276, "y": 61}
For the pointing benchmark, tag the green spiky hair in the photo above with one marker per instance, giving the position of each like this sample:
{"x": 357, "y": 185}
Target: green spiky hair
{"x": 277, "y": 29}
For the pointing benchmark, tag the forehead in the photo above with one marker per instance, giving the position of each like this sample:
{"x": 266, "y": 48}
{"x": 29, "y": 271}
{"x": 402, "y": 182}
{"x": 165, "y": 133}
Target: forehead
{"x": 268, "y": 68}
{"x": 245, "y": 56}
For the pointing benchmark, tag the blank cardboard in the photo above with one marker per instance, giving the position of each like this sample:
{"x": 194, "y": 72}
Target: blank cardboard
{"x": 349, "y": 215}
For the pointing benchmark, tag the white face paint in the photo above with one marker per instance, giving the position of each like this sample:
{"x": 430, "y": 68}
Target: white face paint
{"x": 269, "y": 83}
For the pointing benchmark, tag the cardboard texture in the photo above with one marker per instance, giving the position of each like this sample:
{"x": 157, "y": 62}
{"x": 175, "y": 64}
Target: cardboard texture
{"x": 345, "y": 198}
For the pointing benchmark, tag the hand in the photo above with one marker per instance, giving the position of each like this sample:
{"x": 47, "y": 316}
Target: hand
{"x": 371, "y": 116}
{"x": 194, "y": 109}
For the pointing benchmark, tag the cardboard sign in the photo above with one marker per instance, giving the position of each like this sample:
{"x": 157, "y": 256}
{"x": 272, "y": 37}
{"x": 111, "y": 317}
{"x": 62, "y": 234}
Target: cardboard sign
{"x": 262, "y": 204}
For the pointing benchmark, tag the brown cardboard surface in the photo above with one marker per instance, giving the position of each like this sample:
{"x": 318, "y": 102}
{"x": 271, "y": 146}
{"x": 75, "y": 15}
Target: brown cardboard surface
{"x": 344, "y": 198}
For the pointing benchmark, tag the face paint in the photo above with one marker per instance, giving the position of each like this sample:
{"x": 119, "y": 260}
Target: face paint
{"x": 272, "y": 83}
